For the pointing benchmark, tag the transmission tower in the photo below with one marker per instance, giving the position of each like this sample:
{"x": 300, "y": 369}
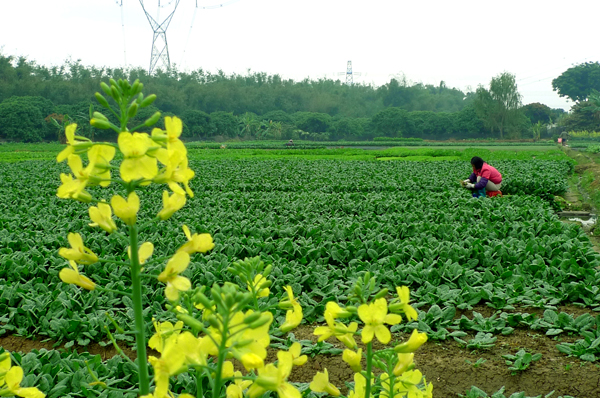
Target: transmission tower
{"x": 160, "y": 49}
{"x": 349, "y": 74}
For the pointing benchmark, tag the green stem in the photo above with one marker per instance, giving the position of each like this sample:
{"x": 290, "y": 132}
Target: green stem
{"x": 369, "y": 365}
{"x": 136, "y": 295}
{"x": 199, "y": 379}
{"x": 221, "y": 358}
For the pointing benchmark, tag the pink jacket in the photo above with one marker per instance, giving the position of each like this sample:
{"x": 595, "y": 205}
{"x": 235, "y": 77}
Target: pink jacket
{"x": 489, "y": 173}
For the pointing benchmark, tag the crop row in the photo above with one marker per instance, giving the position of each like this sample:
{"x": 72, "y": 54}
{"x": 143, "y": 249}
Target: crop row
{"x": 321, "y": 224}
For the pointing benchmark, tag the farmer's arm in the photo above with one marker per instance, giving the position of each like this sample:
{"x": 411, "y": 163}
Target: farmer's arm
{"x": 482, "y": 183}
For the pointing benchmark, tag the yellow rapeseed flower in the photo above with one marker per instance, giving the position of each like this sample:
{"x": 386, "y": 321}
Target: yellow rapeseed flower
{"x": 360, "y": 386}
{"x": 407, "y": 385}
{"x": 321, "y": 383}
{"x": 335, "y": 310}
{"x": 344, "y": 333}
{"x": 102, "y": 217}
{"x": 416, "y": 340}
{"x": 126, "y": 209}
{"x": 73, "y": 145}
{"x": 144, "y": 252}
{"x": 72, "y": 276}
{"x": 259, "y": 280}
{"x": 176, "y": 283}
{"x": 293, "y": 317}
{"x": 78, "y": 252}
{"x": 374, "y": 315}
{"x": 236, "y": 389}
{"x": 13, "y": 379}
{"x": 405, "y": 362}
{"x": 404, "y": 299}
{"x": 137, "y": 164}
{"x": 296, "y": 350}
{"x": 74, "y": 188}
{"x": 171, "y": 204}
{"x": 272, "y": 378}
{"x": 164, "y": 330}
{"x": 353, "y": 359}
{"x": 197, "y": 243}
{"x": 100, "y": 156}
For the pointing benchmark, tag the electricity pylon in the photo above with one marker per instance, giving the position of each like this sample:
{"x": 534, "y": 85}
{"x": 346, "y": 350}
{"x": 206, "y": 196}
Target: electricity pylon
{"x": 349, "y": 74}
{"x": 160, "y": 49}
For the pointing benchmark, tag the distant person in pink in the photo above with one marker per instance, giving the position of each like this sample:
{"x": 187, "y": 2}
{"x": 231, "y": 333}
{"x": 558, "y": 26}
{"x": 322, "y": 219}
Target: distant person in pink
{"x": 483, "y": 176}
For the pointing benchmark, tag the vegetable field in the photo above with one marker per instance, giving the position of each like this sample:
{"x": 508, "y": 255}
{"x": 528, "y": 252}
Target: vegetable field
{"x": 478, "y": 270}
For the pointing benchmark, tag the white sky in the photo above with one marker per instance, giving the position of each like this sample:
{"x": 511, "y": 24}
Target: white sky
{"x": 463, "y": 42}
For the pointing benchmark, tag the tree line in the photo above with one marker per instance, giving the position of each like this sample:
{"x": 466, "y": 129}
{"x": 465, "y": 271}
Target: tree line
{"x": 36, "y": 101}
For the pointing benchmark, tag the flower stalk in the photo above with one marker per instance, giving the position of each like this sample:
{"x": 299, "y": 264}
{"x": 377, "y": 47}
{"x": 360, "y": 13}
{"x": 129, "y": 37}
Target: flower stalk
{"x": 136, "y": 296}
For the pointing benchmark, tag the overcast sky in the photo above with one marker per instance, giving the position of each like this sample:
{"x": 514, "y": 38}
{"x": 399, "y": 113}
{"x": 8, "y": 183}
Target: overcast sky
{"x": 464, "y": 43}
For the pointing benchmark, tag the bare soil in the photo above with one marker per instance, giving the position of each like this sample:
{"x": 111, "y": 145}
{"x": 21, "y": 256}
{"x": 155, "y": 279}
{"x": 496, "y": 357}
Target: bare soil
{"x": 443, "y": 363}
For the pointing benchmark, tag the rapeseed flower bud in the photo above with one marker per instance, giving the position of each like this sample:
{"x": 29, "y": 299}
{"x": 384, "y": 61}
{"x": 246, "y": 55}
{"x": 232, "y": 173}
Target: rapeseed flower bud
{"x": 321, "y": 383}
{"x": 72, "y": 276}
{"x": 78, "y": 252}
{"x": 374, "y": 315}
{"x": 126, "y": 210}
{"x": 102, "y": 217}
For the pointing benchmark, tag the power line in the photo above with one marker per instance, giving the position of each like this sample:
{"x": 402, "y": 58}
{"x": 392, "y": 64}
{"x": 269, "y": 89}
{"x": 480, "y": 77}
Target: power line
{"x": 218, "y": 5}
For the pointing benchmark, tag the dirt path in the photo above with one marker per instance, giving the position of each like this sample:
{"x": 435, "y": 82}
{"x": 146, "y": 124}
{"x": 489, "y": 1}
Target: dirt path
{"x": 583, "y": 186}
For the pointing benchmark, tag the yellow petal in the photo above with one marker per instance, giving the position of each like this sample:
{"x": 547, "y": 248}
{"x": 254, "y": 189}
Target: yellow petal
{"x": 145, "y": 251}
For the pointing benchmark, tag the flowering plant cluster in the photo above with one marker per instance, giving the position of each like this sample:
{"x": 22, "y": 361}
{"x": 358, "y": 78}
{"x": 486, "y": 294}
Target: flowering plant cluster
{"x": 213, "y": 325}
{"x": 399, "y": 378}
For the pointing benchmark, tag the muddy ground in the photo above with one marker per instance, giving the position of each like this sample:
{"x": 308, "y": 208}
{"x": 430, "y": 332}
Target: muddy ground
{"x": 445, "y": 364}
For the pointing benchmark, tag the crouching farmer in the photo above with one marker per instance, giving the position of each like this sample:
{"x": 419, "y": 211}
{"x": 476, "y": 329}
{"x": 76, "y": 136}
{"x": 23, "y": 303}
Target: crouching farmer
{"x": 484, "y": 178}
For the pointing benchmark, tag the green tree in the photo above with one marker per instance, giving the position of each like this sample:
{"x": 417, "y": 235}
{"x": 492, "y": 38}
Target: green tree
{"x": 22, "y": 118}
{"x": 537, "y": 112}
{"x": 499, "y": 106}
{"x": 197, "y": 122}
{"x": 249, "y": 124}
{"x": 313, "y": 122}
{"x": 582, "y": 117}
{"x": 578, "y": 82}
{"x": 392, "y": 122}
{"x": 224, "y": 124}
